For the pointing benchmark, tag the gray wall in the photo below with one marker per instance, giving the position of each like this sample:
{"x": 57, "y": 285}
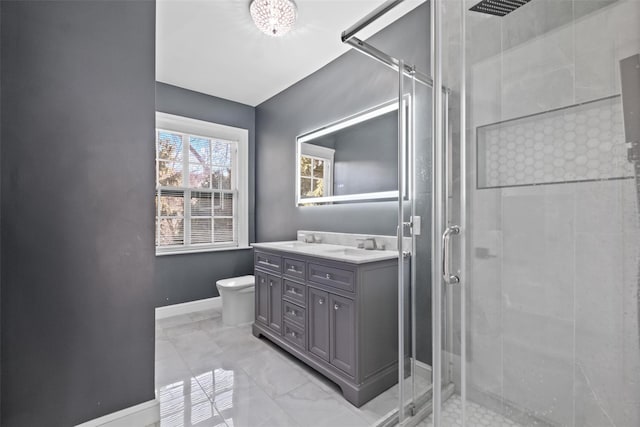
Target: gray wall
{"x": 188, "y": 277}
{"x": 77, "y": 237}
{"x": 344, "y": 87}
{"x": 0, "y": 213}
{"x": 348, "y": 85}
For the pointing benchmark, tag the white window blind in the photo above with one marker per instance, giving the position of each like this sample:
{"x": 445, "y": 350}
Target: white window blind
{"x": 197, "y": 192}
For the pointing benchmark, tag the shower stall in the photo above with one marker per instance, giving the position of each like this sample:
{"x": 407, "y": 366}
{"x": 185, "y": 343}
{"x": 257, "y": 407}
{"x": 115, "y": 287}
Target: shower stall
{"x": 519, "y": 229}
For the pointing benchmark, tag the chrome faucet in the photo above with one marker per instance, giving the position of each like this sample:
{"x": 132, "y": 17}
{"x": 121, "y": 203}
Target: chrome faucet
{"x": 312, "y": 238}
{"x": 370, "y": 243}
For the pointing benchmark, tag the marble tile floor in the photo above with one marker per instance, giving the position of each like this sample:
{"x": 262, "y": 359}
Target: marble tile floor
{"x": 477, "y": 416}
{"x": 208, "y": 374}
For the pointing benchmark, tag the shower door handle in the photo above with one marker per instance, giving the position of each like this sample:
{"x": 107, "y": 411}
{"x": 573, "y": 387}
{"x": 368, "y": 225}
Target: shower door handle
{"x": 446, "y": 252}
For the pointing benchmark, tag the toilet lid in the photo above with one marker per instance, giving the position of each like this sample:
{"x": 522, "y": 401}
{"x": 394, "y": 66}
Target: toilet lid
{"x": 236, "y": 282}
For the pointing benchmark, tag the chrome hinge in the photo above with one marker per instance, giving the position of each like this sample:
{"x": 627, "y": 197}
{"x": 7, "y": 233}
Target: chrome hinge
{"x": 412, "y": 409}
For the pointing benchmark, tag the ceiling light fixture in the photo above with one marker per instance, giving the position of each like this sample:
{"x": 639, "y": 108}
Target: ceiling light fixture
{"x": 273, "y": 17}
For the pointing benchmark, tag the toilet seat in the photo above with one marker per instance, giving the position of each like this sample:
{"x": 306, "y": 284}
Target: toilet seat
{"x": 236, "y": 283}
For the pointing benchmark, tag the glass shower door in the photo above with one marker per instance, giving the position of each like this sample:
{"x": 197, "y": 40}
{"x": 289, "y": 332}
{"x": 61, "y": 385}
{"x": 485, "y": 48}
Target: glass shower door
{"x": 545, "y": 189}
{"x": 414, "y": 221}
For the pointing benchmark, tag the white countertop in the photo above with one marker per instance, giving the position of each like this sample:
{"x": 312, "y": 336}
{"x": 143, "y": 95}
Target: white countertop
{"x": 329, "y": 251}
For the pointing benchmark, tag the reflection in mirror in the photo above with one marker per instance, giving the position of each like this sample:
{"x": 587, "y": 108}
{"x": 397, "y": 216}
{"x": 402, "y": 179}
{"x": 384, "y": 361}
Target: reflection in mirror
{"x": 316, "y": 170}
{"x": 354, "y": 159}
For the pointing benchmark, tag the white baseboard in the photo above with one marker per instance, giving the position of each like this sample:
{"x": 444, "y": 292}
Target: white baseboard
{"x": 188, "y": 307}
{"x": 142, "y": 415}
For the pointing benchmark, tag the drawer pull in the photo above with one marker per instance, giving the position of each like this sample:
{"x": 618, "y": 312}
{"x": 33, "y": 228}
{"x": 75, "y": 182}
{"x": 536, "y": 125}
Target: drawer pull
{"x": 267, "y": 262}
{"x": 336, "y": 306}
{"x": 262, "y": 280}
{"x": 271, "y": 283}
{"x": 320, "y": 301}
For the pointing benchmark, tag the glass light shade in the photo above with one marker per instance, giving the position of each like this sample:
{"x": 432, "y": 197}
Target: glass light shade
{"x": 273, "y": 17}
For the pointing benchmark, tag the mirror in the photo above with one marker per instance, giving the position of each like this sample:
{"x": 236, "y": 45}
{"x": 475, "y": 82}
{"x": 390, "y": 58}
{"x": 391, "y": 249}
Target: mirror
{"x": 353, "y": 159}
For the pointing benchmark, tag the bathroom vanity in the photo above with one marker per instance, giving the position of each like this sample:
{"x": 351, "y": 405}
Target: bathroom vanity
{"x": 333, "y": 307}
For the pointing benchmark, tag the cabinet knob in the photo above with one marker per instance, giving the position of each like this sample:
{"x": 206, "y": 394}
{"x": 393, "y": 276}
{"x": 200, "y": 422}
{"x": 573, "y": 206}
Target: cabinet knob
{"x": 262, "y": 280}
{"x": 270, "y": 283}
{"x": 320, "y": 301}
{"x": 328, "y": 276}
{"x": 335, "y": 307}
{"x": 292, "y": 268}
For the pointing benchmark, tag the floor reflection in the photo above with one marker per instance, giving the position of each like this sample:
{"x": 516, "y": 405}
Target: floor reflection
{"x": 185, "y": 403}
{"x": 208, "y": 374}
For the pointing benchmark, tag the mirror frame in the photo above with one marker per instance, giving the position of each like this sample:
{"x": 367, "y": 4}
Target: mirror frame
{"x": 354, "y": 119}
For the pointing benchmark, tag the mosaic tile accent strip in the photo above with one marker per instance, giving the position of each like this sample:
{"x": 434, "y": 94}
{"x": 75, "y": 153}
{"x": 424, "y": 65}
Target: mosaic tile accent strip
{"x": 579, "y": 143}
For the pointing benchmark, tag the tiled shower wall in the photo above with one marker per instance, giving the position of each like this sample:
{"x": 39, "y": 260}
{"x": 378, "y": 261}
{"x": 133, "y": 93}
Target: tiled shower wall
{"x": 585, "y": 142}
{"x": 553, "y": 269}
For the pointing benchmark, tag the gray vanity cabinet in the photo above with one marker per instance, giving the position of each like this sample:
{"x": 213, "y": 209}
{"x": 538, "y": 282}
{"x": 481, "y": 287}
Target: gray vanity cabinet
{"x": 318, "y": 309}
{"x": 338, "y": 317}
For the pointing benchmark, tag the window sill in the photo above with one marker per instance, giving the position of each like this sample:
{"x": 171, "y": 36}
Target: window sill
{"x": 200, "y": 250}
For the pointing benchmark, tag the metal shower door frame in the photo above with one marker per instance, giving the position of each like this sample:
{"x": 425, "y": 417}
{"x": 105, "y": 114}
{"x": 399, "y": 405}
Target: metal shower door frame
{"x": 440, "y": 136}
{"x": 404, "y": 71}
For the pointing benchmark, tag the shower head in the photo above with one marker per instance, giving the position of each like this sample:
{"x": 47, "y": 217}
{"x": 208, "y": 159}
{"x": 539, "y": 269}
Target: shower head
{"x": 498, "y": 7}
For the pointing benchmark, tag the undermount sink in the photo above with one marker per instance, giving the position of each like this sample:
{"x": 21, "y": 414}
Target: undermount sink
{"x": 294, "y": 244}
{"x": 349, "y": 252}
{"x": 303, "y": 245}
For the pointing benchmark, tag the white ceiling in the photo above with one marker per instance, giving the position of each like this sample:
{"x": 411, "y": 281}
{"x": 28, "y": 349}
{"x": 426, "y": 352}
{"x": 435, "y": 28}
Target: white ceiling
{"x": 212, "y": 46}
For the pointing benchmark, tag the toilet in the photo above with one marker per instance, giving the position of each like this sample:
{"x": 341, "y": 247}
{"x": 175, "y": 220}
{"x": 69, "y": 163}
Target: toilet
{"x": 238, "y": 304}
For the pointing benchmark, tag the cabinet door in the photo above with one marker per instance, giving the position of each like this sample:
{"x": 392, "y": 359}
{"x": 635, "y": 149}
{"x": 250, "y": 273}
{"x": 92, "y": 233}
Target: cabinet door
{"x": 343, "y": 334}
{"x": 318, "y": 322}
{"x": 262, "y": 298}
{"x": 275, "y": 303}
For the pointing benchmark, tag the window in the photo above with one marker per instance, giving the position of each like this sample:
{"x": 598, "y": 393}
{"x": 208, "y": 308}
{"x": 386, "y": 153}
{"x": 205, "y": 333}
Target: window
{"x": 201, "y": 186}
{"x": 316, "y": 171}
{"x": 312, "y": 177}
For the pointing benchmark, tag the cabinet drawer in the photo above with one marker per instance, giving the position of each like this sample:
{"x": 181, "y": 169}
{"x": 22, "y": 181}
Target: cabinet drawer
{"x": 294, "y": 268}
{"x": 269, "y": 262}
{"x": 331, "y": 276}
{"x": 294, "y": 334}
{"x": 295, "y": 292}
{"x": 293, "y": 313}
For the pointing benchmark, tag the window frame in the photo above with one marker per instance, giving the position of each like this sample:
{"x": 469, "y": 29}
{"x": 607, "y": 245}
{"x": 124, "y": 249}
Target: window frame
{"x": 189, "y": 127}
{"x": 316, "y": 152}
